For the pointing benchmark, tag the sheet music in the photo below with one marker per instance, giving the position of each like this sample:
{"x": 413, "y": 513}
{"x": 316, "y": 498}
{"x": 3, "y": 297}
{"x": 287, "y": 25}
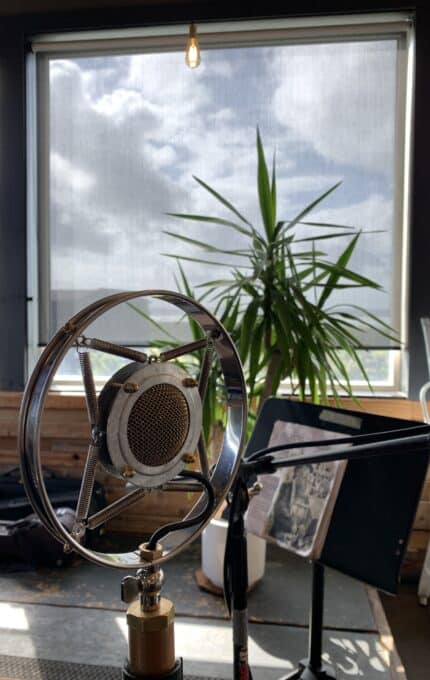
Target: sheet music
{"x": 294, "y": 507}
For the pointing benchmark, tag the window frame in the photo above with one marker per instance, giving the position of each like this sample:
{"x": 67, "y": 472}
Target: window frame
{"x": 165, "y": 38}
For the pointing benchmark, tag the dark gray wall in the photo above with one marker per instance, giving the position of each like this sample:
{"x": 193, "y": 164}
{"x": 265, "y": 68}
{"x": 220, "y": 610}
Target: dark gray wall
{"x": 12, "y": 214}
{"x": 13, "y": 33}
{"x": 419, "y": 276}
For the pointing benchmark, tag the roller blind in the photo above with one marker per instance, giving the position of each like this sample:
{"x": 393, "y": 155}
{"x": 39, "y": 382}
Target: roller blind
{"x": 123, "y": 126}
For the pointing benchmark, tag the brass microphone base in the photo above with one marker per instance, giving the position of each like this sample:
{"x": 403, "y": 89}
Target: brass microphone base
{"x": 177, "y": 673}
{"x": 151, "y": 639}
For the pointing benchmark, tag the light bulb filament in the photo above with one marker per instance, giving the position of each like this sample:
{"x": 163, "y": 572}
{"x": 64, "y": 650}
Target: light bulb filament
{"x": 192, "y": 53}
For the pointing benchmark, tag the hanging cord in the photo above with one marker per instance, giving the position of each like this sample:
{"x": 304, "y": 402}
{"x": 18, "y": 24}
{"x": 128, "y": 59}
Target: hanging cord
{"x": 186, "y": 523}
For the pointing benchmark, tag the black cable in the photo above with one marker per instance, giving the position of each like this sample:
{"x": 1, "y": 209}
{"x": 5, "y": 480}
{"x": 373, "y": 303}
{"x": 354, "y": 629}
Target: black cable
{"x": 375, "y": 437}
{"x": 186, "y": 523}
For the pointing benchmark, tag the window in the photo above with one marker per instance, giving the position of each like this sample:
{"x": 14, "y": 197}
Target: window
{"x": 121, "y": 126}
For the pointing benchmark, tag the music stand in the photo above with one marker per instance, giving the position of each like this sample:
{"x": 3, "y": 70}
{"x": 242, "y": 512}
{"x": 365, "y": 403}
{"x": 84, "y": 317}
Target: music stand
{"x": 372, "y": 513}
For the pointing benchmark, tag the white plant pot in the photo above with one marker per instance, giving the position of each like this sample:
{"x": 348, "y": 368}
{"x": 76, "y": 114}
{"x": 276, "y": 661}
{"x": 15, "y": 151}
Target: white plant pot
{"x": 213, "y": 548}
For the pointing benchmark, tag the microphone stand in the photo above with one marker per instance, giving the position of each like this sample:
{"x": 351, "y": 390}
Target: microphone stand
{"x": 150, "y": 617}
{"x": 236, "y": 578}
{"x": 312, "y": 668}
{"x": 235, "y": 564}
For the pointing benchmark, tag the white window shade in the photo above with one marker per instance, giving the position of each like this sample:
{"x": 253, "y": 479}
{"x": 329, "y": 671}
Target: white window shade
{"x": 121, "y": 136}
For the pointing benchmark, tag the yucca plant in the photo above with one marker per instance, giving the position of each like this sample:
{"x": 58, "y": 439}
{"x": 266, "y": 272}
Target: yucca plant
{"x": 278, "y": 295}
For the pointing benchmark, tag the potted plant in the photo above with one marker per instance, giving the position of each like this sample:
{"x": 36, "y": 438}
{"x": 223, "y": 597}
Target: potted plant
{"x": 277, "y": 299}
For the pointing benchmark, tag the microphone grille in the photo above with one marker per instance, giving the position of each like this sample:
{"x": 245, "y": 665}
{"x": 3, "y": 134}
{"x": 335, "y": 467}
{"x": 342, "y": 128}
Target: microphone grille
{"x": 158, "y": 425}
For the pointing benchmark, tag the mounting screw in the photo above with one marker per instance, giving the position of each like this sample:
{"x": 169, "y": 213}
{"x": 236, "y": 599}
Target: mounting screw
{"x": 69, "y": 327}
{"x": 130, "y": 387}
{"x": 128, "y": 472}
{"x": 188, "y": 458}
{"x": 78, "y": 531}
{"x": 189, "y": 382}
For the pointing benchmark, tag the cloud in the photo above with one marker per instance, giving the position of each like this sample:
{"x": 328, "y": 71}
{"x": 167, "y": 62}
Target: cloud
{"x": 126, "y": 139}
{"x": 63, "y": 173}
{"x": 340, "y": 99}
{"x": 220, "y": 67}
{"x": 107, "y": 197}
{"x": 141, "y": 153}
{"x": 296, "y": 191}
{"x": 223, "y": 115}
{"x": 121, "y": 105}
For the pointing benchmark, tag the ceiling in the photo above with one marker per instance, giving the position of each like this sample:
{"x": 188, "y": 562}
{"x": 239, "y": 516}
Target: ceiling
{"x": 34, "y": 6}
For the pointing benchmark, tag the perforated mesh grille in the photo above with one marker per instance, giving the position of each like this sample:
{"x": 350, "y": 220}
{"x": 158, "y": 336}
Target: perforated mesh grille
{"x": 158, "y": 425}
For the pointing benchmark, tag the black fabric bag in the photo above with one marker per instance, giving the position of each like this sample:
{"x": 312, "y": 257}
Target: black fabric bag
{"x": 26, "y": 542}
{"x": 23, "y": 538}
{"x": 62, "y": 492}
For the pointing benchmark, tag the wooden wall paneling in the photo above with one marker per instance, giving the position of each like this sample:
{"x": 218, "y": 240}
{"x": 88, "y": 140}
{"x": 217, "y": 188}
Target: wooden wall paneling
{"x": 64, "y": 441}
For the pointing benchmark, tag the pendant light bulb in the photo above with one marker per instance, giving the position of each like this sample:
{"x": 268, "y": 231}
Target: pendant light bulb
{"x": 192, "y": 53}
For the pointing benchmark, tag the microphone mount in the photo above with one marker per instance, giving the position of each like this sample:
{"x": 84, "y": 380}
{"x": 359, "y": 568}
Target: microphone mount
{"x": 145, "y": 428}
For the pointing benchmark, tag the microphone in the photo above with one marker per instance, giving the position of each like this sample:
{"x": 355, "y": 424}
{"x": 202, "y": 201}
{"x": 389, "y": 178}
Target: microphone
{"x": 146, "y": 427}
{"x": 151, "y": 418}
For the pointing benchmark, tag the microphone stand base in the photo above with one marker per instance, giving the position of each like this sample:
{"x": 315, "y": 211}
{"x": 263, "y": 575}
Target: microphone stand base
{"x": 304, "y": 672}
{"x": 177, "y": 673}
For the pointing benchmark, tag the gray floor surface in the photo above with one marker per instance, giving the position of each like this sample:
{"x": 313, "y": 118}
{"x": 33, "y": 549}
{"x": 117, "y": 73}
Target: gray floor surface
{"x": 75, "y": 615}
{"x": 410, "y": 625}
{"x": 281, "y": 597}
{"x": 98, "y": 637}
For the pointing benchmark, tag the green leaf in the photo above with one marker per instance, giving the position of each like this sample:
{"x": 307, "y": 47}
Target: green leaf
{"x": 146, "y": 316}
{"x": 255, "y": 354}
{"x": 273, "y": 188}
{"x": 200, "y": 261}
{"x": 185, "y": 284}
{"x": 222, "y": 200}
{"x": 322, "y": 237}
{"x": 265, "y": 191}
{"x": 342, "y": 272}
{"x": 247, "y": 328}
{"x": 209, "y": 248}
{"x": 213, "y": 220}
{"x": 229, "y": 318}
{"x": 391, "y": 332}
{"x": 311, "y": 206}
{"x": 330, "y": 225}
{"x": 335, "y": 272}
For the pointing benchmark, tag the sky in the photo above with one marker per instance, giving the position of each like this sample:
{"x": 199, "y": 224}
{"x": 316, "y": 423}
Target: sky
{"x": 128, "y": 132}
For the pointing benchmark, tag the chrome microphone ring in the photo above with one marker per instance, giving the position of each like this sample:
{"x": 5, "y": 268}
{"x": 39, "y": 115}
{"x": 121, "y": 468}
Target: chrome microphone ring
{"x": 34, "y": 401}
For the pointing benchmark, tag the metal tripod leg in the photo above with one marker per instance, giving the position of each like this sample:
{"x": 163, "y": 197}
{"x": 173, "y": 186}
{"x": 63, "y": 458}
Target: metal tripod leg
{"x": 313, "y": 668}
